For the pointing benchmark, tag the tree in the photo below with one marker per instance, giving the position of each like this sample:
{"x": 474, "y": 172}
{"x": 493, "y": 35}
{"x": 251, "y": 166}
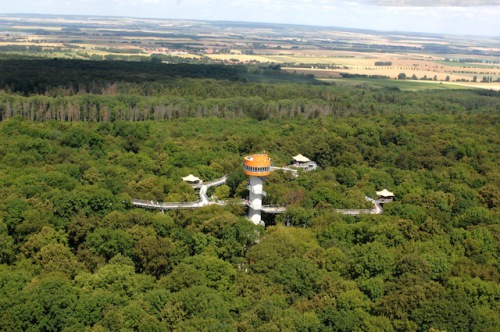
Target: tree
{"x": 45, "y": 305}
{"x": 340, "y": 320}
{"x": 77, "y": 137}
{"x": 202, "y": 307}
{"x": 280, "y": 243}
{"x": 117, "y": 280}
{"x": 47, "y": 235}
{"x": 298, "y": 276}
{"x": 445, "y": 314}
{"x": 153, "y": 255}
{"x": 6, "y": 247}
{"x": 370, "y": 260}
{"x": 109, "y": 242}
{"x": 222, "y": 192}
{"x": 201, "y": 270}
{"x": 56, "y": 257}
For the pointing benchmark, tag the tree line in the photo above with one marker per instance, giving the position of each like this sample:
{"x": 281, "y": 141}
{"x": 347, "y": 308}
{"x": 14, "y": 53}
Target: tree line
{"x": 214, "y": 98}
{"x": 33, "y": 76}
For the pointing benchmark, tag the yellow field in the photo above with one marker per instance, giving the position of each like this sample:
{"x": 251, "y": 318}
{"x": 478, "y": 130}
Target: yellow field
{"x": 384, "y": 71}
{"x": 359, "y": 63}
{"x": 240, "y": 57}
{"x": 30, "y": 43}
{"x": 31, "y": 27}
{"x": 329, "y": 74}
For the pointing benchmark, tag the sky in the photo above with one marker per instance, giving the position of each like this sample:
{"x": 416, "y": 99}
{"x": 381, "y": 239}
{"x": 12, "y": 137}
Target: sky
{"x": 469, "y": 17}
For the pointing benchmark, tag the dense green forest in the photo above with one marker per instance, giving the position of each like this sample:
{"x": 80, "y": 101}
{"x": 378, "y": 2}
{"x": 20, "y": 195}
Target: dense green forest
{"x": 68, "y": 77}
{"x": 76, "y": 256}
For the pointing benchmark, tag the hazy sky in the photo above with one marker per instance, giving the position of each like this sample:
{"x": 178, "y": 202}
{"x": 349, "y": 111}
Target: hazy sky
{"x": 476, "y": 17}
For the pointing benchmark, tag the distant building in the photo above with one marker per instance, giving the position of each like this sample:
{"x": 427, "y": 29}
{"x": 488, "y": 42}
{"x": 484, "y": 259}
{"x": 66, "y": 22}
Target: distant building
{"x": 302, "y": 162}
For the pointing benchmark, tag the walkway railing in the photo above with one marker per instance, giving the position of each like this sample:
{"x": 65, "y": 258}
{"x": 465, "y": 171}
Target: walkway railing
{"x": 204, "y": 201}
{"x": 294, "y": 172}
{"x": 216, "y": 182}
{"x": 266, "y": 208}
{"x": 355, "y": 212}
{"x": 166, "y": 205}
{"x": 273, "y": 209}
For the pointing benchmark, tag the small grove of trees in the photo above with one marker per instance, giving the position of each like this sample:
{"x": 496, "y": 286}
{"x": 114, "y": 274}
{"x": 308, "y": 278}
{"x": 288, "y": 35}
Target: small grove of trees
{"x": 402, "y": 76}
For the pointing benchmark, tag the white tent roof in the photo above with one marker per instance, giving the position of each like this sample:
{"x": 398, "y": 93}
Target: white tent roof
{"x": 385, "y": 193}
{"x": 191, "y": 178}
{"x": 301, "y": 159}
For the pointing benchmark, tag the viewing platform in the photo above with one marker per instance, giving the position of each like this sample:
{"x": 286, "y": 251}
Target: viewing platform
{"x": 384, "y": 196}
{"x": 257, "y": 165}
{"x": 304, "y": 163}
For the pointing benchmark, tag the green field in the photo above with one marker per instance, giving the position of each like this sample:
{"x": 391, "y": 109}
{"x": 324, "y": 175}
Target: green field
{"x": 389, "y": 83}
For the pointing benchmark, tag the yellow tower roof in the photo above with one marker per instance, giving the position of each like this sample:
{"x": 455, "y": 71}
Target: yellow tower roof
{"x": 257, "y": 165}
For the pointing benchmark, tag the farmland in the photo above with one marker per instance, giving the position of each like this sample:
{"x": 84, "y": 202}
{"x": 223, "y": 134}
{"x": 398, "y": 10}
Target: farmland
{"x": 406, "y": 85}
{"x": 323, "y": 52}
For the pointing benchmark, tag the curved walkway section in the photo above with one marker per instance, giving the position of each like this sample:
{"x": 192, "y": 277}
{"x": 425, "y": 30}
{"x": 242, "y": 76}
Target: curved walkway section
{"x": 377, "y": 209}
{"x": 204, "y": 201}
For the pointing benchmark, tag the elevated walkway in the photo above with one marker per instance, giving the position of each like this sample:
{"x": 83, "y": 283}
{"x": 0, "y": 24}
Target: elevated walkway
{"x": 307, "y": 166}
{"x": 354, "y": 212}
{"x": 377, "y": 209}
{"x": 273, "y": 209}
{"x": 204, "y": 201}
{"x": 166, "y": 206}
{"x": 294, "y": 172}
{"x": 213, "y": 183}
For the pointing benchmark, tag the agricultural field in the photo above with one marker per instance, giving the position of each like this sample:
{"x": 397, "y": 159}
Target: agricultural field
{"x": 405, "y": 85}
{"x": 323, "y": 52}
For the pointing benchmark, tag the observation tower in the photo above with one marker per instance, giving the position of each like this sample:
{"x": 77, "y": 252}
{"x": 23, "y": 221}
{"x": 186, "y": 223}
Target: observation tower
{"x": 257, "y": 167}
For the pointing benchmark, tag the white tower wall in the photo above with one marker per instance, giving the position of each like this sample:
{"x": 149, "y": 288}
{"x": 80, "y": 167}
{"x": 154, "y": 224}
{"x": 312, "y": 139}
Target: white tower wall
{"x": 255, "y": 200}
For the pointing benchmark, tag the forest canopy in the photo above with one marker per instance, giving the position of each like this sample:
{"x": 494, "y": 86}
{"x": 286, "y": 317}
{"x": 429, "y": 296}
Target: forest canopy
{"x": 76, "y": 256}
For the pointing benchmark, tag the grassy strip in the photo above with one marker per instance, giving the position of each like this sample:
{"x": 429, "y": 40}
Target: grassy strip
{"x": 408, "y": 85}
